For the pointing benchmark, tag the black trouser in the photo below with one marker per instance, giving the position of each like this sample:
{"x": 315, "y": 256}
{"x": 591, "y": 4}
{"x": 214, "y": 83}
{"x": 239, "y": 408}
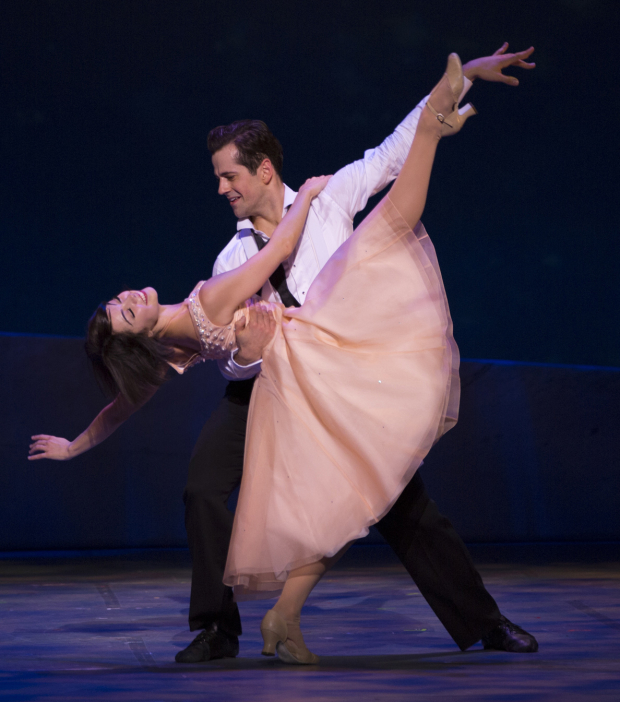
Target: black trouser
{"x": 439, "y": 563}
{"x": 424, "y": 540}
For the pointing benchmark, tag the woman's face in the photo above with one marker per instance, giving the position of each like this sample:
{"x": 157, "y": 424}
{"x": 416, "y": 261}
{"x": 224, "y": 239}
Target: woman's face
{"x": 134, "y": 311}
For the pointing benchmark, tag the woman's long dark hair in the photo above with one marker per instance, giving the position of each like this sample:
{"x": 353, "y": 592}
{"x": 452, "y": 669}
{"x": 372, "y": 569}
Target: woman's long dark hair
{"x": 132, "y": 364}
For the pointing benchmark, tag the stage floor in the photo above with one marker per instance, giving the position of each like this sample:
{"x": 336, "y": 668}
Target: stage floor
{"x": 107, "y": 628}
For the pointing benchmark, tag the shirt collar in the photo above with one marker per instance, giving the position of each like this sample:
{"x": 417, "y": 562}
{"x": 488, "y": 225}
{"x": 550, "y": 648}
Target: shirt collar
{"x": 289, "y": 197}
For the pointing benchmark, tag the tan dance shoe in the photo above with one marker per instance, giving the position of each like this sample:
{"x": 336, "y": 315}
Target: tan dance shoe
{"x": 276, "y": 637}
{"x": 450, "y": 84}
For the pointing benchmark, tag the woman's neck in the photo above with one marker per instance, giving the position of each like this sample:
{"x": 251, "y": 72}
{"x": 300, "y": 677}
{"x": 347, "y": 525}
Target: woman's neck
{"x": 174, "y": 327}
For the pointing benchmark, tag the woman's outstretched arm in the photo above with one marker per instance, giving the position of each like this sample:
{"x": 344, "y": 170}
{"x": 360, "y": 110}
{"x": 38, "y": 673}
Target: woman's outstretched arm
{"x": 105, "y": 423}
{"x": 221, "y": 295}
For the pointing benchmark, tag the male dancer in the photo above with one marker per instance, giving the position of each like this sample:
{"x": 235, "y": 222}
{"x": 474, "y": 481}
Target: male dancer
{"x": 247, "y": 161}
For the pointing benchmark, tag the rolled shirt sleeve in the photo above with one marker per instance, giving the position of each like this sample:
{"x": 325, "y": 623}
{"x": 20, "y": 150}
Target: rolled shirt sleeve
{"x": 352, "y": 185}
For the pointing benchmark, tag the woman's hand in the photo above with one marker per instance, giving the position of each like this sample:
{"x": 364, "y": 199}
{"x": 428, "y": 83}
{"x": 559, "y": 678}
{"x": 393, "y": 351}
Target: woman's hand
{"x": 491, "y": 67}
{"x": 45, "y": 446}
{"x": 313, "y": 186}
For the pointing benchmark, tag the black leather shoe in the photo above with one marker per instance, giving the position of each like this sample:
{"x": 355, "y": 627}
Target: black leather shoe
{"x": 209, "y": 644}
{"x": 507, "y": 636}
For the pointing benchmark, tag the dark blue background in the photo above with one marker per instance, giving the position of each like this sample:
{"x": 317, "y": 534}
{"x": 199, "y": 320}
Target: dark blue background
{"x": 105, "y": 178}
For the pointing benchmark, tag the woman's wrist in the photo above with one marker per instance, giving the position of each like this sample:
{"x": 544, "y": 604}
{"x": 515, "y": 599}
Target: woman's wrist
{"x": 470, "y": 71}
{"x": 305, "y": 196}
{"x": 72, "y": 450}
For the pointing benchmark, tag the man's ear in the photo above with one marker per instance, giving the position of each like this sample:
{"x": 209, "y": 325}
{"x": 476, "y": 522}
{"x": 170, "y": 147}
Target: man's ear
{"x": 266, "y": 171}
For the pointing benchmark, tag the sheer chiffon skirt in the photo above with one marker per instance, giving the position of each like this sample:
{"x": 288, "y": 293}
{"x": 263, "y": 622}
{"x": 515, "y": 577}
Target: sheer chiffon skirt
{"x": 355, "y": 388}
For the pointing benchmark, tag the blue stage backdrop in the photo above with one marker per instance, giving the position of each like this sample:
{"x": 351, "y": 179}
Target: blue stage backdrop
{"x": 106, "y": 180}
{"x": 106, "y": 184}
{"x": 534, "y": 456}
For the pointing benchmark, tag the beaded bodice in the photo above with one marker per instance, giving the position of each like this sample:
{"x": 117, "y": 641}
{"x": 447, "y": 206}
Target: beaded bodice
{"x": 215, "y": 342}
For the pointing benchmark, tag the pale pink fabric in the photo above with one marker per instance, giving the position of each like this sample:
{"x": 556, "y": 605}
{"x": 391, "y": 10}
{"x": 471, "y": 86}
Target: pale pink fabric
{"x": 215, "y": 341}
{"x": 355, "y": 388}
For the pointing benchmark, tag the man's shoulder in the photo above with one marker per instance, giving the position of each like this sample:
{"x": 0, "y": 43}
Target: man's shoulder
{"x": 232, "y": 255}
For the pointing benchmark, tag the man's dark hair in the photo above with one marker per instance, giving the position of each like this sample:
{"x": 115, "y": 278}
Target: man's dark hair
{"x": 132, "y": 364}
{"x": 254, "y": 142}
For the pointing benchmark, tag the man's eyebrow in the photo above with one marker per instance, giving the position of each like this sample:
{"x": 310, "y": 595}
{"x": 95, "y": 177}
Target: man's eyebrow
{"x": 226, "y": 174}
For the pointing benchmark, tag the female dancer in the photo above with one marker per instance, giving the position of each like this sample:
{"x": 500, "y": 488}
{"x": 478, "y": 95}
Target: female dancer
{"x": 359, "y": 382}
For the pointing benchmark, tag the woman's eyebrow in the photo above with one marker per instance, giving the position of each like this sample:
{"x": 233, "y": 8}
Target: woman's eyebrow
{"x": 116, "y": 297}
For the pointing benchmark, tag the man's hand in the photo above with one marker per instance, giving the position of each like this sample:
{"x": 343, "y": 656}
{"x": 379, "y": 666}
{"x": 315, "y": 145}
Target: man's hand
{"x": 255, "y": 335}
{"x": 490, "y": 67}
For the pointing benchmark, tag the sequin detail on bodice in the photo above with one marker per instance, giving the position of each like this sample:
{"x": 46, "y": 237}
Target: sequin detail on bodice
{"x": 215, "y": 342}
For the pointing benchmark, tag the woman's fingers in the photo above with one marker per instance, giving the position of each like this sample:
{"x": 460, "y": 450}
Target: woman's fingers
{"x": 518, "y": 59}
{"x": 46, "y": 446}
{"x": 315, "y": 184}
{"x": 524, "y": 64}
{"x": 525, "y": 54}
{"x": 518, "y": 55}
{"x": 37, "y": 449}
{"x": 40, "y": 445}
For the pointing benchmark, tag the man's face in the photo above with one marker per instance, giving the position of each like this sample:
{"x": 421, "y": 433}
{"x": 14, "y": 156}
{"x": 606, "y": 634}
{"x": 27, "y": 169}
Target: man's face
{"x": 245, "y": 192}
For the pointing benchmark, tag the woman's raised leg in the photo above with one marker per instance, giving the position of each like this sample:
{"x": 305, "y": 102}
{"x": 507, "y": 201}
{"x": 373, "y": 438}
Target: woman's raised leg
{"x": 441, "y": 117}
{"x": 280, "y": 626}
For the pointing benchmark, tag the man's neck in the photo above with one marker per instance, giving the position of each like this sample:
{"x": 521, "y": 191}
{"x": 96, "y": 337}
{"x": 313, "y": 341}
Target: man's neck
{"x": 271, "y": 211}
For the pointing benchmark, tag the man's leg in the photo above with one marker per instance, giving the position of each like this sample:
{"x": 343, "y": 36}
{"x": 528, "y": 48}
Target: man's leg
{"x": 439, "y": 563}
{"x": 215, "y": 470}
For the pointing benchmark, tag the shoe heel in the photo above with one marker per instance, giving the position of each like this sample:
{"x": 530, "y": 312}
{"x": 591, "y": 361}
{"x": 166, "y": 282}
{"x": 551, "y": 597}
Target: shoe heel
{"x": 273, "y": 629}
{"x": 467, "y": 111}
{"x": 451, "y": 121}
{"x": 270, "y": 641}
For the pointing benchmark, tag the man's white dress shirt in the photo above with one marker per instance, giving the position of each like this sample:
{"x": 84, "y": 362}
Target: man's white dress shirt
{"x": 329, "y": 222}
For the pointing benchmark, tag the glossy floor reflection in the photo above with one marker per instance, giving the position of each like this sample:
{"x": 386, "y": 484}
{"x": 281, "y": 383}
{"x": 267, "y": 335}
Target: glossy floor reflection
{"x": 107, "y": 628}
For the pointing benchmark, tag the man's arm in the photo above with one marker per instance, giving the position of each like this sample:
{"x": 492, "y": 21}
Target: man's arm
{"x": 246, "y": 360}
{"x": 250, "y": 361}
{"x": 352, "y": 185}
{"x": 252, "y": 337}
